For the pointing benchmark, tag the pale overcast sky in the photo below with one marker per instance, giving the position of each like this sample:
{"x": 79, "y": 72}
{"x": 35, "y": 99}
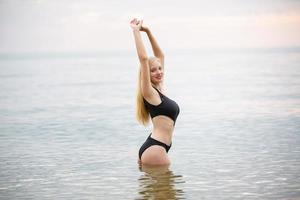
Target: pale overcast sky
{"x": 96, "y": 25}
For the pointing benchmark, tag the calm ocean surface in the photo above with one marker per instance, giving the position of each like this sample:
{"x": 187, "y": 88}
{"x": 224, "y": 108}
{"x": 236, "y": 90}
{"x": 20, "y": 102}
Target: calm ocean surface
{"x": 68, "y": 129}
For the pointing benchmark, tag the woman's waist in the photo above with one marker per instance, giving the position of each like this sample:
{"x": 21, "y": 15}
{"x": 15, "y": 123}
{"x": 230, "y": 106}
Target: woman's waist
{"x": 162, "y": 135}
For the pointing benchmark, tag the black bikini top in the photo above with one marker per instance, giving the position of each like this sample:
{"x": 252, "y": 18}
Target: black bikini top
{"x": 167, "y": 107}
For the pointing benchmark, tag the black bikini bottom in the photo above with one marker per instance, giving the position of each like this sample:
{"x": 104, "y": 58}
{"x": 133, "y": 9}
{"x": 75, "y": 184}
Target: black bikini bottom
{"x": 150, "y": 142}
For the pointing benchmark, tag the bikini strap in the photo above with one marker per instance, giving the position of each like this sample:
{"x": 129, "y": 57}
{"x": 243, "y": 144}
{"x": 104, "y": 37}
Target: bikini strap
{"x": 157, "y": 90}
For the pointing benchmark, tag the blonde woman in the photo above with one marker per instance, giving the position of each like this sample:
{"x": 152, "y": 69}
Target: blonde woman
{"x": 152, "y": 100}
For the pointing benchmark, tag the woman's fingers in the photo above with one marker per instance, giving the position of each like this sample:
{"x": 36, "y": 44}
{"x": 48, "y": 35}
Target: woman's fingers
{"x": 133, "y": 21}
{"x": 137, "y": 23}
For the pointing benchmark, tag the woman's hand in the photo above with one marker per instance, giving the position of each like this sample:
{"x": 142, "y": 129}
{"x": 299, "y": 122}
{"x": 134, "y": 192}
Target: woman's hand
{"x": 136, "y": 24}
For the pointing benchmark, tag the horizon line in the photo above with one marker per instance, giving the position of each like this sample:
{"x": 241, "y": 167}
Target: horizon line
{"x": 111, "y": 52}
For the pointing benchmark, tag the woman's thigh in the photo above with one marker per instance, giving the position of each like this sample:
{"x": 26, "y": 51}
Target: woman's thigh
{"x": 155, "y": 155}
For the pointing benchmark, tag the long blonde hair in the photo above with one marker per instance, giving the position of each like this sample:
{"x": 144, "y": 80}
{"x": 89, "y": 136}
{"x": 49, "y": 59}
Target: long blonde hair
{"x": 142, "y": 114}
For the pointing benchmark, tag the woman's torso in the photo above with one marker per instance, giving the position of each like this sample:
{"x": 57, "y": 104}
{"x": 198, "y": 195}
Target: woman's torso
{"x": 163, "y": 116}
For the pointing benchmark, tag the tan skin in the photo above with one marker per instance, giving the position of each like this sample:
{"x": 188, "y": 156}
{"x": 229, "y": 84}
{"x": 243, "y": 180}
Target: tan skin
{"x": 153, "y": 75}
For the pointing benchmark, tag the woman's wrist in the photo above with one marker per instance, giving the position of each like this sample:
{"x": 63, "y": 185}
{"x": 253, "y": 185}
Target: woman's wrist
{"x": 135, "y": 30}
{"x": 146, "y": 29}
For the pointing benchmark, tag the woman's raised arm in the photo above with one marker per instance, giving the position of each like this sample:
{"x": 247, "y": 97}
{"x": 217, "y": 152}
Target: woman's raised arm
{"x": 146, "y": 87}
{"x": 155, "y": 47}
{"x": 141, "y": 51}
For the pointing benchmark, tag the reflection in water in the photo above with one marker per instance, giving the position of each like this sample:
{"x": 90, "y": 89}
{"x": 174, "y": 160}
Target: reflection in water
{"x": 159, "y": 183}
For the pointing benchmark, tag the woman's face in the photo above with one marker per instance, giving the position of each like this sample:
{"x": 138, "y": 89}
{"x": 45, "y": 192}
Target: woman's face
{"x": 156, "y": 72}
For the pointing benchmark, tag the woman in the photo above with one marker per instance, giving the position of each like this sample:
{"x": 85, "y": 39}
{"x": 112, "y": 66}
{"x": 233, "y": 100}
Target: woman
{"x": 151, "y": 99}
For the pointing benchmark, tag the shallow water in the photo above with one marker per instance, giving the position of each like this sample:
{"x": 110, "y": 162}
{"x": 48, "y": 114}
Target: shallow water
{"x": 67, "y": 127}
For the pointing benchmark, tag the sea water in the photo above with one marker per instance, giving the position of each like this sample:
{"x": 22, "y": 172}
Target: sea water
{"x": 68, "y": 128}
